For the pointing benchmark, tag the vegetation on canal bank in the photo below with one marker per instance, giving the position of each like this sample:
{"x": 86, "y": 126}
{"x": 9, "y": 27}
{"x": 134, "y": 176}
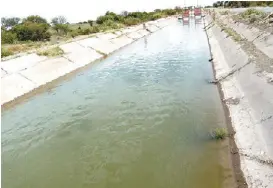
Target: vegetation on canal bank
{"x": 219, "y": 133}
{"x": 20, "y": 35}
{"x": 51, "y": 52}
{"x": 241, "y": 4}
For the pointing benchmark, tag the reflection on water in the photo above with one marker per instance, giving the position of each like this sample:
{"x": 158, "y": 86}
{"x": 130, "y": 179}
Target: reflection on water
{"x": 145, "y": 42}
{"x": 140, "y": 118}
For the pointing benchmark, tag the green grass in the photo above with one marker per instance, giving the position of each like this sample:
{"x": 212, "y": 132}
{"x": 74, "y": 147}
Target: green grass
{"x": 51, "y": 52}
{"x": 233, "y": 34}
{"x": 226, "y": 12}
{"x": 219, "y": 133}
{"x": 5, "y": 52}
{"x": 250, "y": 12}
{"x": 230, "y": 32}
{"x": 82, "y": 26}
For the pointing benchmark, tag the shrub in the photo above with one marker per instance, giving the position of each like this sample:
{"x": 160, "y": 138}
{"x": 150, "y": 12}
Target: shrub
{"x": 32, "y": 31}
{"x": 94, "y": 29}
{"x": 170, "y": 12}
{"x": 85, "y": 31}
{"x": 155, "y": 16}
{"x": 131, "y": 21}
{"x": 61, "y": 28}
{"x": 5, "y": 52}
{"x": 110, "y": 24}
{"x": 102, "y": 19}
{"x": 74, "y": 33}
{"x": 252, "y": 12}
{"x": 219, "y": 133}
{"x": 8, "y": 37}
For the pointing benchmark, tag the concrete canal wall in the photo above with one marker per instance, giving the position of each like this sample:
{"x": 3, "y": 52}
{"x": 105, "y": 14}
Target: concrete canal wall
{"x": 248, "y": 93}
{"x": 23, "y": 74}
{"x": 262, "y": 39}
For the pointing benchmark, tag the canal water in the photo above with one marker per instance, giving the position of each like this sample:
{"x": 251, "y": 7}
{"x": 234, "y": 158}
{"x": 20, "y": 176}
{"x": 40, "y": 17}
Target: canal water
{"x": 139, "y": 118}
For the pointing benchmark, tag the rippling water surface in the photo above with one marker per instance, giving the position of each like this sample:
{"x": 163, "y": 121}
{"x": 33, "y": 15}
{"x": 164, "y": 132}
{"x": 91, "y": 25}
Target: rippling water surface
{"x": 140, "y": 118}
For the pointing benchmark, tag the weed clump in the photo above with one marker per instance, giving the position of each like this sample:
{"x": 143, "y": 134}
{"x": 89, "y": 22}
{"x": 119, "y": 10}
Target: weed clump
{"x": 51, "y": 52}
{"x": 252, "y": 15}
{"x": 5, "y": 52}
{"x": 230, "y": 32}
{"x": 219, "y": 133}
{"x": 226, "y": 12}
{"x": 250, "y": 12}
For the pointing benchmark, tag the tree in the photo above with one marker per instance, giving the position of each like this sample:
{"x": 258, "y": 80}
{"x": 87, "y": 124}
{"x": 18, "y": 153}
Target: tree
{"x": 59, "y": 24}
{"x": 32, "y": 31}
{"x": 58, "y": 20}
{"x": 9, "y": 22}
{"x": 90, "y": 22}
{"x": 8, "y": 37}
{"x": 178, "y": 9}
{"x": 102, "y": 19}
{"x": 124, "y": 13}
{"x": 35, "y": 19}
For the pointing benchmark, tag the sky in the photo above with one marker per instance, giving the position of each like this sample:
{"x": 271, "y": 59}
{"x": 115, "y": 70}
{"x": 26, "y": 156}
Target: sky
{"x": 83, "y": 10}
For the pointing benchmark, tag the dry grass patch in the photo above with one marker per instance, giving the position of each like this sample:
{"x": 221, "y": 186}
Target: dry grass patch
{"x": 51, "y": 52}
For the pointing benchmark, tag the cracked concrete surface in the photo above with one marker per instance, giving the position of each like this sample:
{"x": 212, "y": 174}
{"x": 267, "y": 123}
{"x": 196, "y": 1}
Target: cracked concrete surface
{"x": 251, "y": 115}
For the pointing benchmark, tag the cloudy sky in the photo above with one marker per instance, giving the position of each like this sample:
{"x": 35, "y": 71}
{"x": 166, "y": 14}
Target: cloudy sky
{"x": 81, "y": 10}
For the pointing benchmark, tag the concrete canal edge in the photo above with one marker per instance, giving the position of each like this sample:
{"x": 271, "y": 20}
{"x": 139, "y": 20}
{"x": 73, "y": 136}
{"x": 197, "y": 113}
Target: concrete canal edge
{"x": 247, "y": 96}
{"x": 24, "y": 74}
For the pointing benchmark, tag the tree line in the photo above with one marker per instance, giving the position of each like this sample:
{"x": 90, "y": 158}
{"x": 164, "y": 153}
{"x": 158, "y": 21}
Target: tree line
{"x": 37, "y": 28}
{"x": 239, "y": 4}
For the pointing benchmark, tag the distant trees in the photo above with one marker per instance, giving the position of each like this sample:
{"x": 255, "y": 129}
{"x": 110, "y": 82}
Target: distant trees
{"x": 178, "y": 9}
{"x": 59, "y": 24}
{"x": 58, "y": 20}
{"x": 91, "y": 22}
{"x": 35, "y": 19}
{"x": 9, "y": 22}
{"x": 36, "y": 28}
{"x": 237, "y": 4}
{"x": 124, "y": 13}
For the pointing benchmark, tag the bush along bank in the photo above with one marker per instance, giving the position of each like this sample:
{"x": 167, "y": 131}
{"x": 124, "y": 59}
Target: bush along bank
{"x": 20, "y": 35}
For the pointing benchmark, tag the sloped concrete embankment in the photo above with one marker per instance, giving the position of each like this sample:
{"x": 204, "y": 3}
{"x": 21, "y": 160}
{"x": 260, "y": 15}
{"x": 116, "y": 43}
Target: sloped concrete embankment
{"x": 23, "y": 74}
{"x": 248, "y": 95}
{"x": 262, "y": 39}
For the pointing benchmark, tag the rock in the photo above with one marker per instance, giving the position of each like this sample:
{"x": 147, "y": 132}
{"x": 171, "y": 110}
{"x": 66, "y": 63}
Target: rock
{"x": 232, "y": 101}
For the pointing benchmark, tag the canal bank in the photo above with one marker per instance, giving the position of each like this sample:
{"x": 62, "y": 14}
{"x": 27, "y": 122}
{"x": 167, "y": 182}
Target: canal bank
{"x": 23, "y": 74}
{"x": 247, "y": 93}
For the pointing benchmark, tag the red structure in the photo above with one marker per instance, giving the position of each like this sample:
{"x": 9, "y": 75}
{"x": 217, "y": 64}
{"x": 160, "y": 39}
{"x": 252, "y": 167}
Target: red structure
{"x": 186, "y": 13}
{"x": 197, "y": 12}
